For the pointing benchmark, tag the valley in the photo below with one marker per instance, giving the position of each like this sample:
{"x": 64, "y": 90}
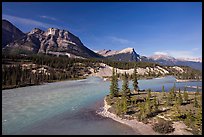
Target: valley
{"x": 93, "y": 68}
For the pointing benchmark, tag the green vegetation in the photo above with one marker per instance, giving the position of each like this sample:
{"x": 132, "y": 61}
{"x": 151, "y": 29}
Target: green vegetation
{"x": 114, "y": 84}
{"x": 125, "y": 88}
{"x": 153, "y": 107}
{"x": 163, "y": 127}
{"x": 64, "y": 68}
{"x": 134, "y": 79}
{"x": 163, "y": 92}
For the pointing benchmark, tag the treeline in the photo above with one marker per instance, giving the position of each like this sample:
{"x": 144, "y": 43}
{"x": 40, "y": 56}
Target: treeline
{"x": 62, "y": 68}
{"x": 189, "y": 73}
{"x": 17, "y": 76}
{"x": 64, "y": 62}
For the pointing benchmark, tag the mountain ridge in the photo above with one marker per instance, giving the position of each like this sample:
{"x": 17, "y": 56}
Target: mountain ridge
{"x": 63, "y": 43}
{"x": 49, "y": 41}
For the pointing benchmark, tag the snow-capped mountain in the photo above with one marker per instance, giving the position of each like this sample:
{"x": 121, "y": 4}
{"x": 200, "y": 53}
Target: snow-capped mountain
{"x": 162, "y": 57}
{"x": 127, "y": 54}
{"x": 171, "y": 61}
{"x": 191, "y": 59}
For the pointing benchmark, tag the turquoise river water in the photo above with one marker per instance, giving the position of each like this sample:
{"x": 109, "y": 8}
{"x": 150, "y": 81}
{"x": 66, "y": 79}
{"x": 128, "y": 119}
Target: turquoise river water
{"x": 68, "y": 107}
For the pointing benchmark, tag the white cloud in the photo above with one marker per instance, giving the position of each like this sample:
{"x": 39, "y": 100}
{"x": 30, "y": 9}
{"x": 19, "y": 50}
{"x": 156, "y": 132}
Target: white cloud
{"x": 27, "y": 21}
{"x": 121, "y": 40}
{"x": 48, "y": 17}
{"x": 159, "y": 52}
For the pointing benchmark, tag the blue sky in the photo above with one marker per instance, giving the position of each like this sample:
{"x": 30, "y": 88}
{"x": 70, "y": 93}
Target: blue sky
{"x": 169, "y": 28}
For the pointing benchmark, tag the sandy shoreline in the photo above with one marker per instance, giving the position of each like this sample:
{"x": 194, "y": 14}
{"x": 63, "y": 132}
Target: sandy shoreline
{"x": 141, "y": 128}
{"x": 136, "y": 125}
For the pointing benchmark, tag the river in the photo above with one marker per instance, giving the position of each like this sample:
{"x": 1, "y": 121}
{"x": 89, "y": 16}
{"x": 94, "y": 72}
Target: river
{"x": 68, "y": 107}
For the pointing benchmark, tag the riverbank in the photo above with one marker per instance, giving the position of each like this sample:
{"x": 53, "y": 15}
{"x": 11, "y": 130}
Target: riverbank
{"x": 187, "y": 80}
{"x": 143, "y": 129}
{"x": 140, "y": 127}
{"x": 41, "y": 83}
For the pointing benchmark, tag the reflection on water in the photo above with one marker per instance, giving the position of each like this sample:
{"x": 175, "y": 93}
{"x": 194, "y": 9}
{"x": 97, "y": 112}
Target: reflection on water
{"x": 67, "y": 107}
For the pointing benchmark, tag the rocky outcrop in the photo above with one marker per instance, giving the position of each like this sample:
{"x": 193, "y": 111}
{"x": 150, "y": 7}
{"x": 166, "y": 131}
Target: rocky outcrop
{"x": 52, "y": 40}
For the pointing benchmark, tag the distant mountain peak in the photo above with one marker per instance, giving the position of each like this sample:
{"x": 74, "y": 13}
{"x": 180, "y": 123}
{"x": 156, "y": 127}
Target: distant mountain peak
{"x": 191, "y": 59}
{"x": 161, "y": 56}
{"x": 127, "y": 54}
{"x": 127, "y": 50}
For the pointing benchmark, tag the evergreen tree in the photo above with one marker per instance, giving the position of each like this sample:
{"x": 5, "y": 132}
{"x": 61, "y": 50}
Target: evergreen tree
{"x": 141, "y": 114}
{"x": 185, "y": 96}
{"x": 199, "y": 118}
{"x": 189, "y": 118}
{"x": 149, "y": 93}
{"x": 148, "y": 103}
{"x": 180, "y": 99}
{"x": 168, "y": 100}
{"x": 195, "y": 101}
{"x": 116, "y": 88}
{"x": 176, "y": 107}
{"x": 163, "y": 91}
{"x": 118, "y": 106}
{"x": 124, "y": 104}
{"x": 125, "y": 89}
{"x": 114, "y": 85}
{"x": 135, "y": 83}
{"x": 172, "y": 94}
{"x": 155, "y": 104}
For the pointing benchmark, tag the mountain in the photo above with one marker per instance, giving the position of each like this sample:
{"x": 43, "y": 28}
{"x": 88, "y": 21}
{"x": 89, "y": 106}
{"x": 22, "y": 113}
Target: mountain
{"x": 191, "y": 59}
{"x": 171, "y": 61}
{"x": 10, "y": 33}
{"x": 52, "y": 41}
{"x": 127, "y": 54}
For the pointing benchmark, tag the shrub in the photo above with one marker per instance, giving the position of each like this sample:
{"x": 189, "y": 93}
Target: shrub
{"x": 163, "y": 127}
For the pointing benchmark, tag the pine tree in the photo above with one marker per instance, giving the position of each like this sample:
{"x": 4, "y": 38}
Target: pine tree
{"x": 125, "y": 89}
{"x": 155, "y": 104}
{"x": 199, "y": 118}
{"x": 141, "y": 114}
{"x": 118, "y": 107}
{"x": 163, "y": 91}
{"x": 148, "y": 103}
{"x": 169, "y": 100}
{"x": 135, "y": 83}
{"x": 180, "y": 99}
{"x": 116, "y": 89}
{"x": 114, "y": 85}
{"x": 124, "y": 104}
{"x": 149, "y": 93}
{"x": 172, "y": 94}
{"x": 185, "y": 96}
{"x": 176, "y": 107}
{"x": 195, "y": 101}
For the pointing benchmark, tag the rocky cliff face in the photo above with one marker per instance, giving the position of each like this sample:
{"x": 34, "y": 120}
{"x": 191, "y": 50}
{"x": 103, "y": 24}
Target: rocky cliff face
{"x": 10, "y": 33}
{"x": 51, "y": 41}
